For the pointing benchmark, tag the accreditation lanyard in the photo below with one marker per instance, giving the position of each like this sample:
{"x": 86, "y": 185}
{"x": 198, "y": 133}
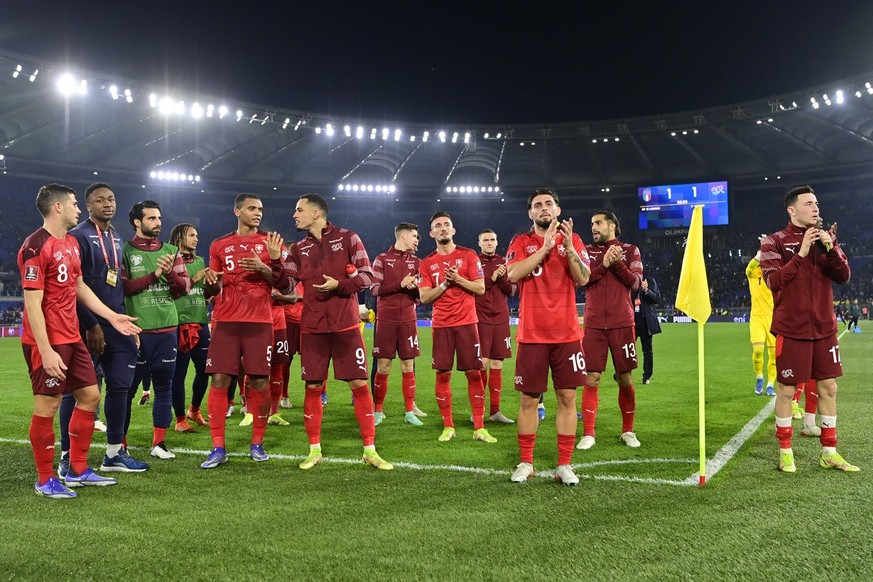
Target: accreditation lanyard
{"x": 111, "y": 272}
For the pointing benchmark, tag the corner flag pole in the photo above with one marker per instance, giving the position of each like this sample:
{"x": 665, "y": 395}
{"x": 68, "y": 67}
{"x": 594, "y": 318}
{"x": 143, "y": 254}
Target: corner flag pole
{"x": 692, "y": 297}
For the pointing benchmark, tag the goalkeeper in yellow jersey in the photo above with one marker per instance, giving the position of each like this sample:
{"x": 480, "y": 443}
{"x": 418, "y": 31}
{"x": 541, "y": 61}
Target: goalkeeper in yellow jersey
{"x": 759, "y": 327}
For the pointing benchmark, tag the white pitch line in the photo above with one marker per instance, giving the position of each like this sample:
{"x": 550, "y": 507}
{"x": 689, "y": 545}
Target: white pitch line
{"x": 454, "y": 468}
{"x": 727, "y": 452}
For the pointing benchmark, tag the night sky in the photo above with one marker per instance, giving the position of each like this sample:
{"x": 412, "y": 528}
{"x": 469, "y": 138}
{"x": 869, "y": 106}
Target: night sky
{"x": 471, "y": 62}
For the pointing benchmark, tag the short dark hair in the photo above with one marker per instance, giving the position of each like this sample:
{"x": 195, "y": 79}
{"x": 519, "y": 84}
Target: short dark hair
{"x": 179, "y": 232}
{"x": 97, "y": 186}
{"x": 792, "y": 195}
{"x": 404, "y": 226}
{"x": 136, "y": 213}
{"x": 49, "y": 194}
{"x": 540, "y": 192}
{"x": 487, "y": 231}
{"x": 318, "y": 201}
{"x": 238, "y": 201}
{"x": 610, "y": 217}
{"x": 440, "y": 214}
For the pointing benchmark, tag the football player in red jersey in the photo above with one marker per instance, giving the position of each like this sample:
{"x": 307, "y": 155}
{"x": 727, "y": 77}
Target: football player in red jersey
{"x": 451, "y": 278}
{"x": 616, "y": 270}
{"x": 333, "y": 266}
{"x": 548, "y": 263}
{"x": 57, "y": 359}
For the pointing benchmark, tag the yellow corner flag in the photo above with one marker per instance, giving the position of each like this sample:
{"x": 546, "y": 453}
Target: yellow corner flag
{"x": 692, "y": 296}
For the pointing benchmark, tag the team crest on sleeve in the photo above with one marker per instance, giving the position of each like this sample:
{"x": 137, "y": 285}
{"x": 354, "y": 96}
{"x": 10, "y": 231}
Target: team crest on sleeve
{"x": 31, "y": 273}
{"x": 511, "y": 256}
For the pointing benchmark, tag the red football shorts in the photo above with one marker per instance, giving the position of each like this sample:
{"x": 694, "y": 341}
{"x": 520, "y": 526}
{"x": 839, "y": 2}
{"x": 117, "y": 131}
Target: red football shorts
{"x": 460, "y": 339}
{"x": 79, "y": 374}
{"x": 235, "y": 341}
{"x": 533, "y": 362}
{"x": 496, "y": 340}
{"x": 620, "y": 342}
{"x": 392, "y": 339}
{"x": 800, "y": 360}
{"x": 280, "y": 347}
{"x": 345, "y": 348}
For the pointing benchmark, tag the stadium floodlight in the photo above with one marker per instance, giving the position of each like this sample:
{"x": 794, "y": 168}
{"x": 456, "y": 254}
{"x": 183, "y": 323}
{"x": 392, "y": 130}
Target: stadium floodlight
{"x": 153, "y": 100}
{"x": 318, "y": 130}
{"x": 499, "y": 135}
{"x": 239, "y": 114}
{"x": 128, "y": 96}
{"x": 467, "y": 137}
{"x": 355, "y": 187}
{"x": 286, "y": 122}
{"x": 385, "y": 132}
{"x": 340, "y": 187}
{"x": 486, "y": 135}
{"x": 425, "y": 136}
{"x": 448, "y": 188}
{"x": 455, "y": 137}
{"x": 17, "y": 71}
{"x": 210, "y": 110}
{"x": 411, "y": 138}
{"x": 392, "y": 188}
{"x": 840, "y": 96}
{"x": 196, "y": 110}
{"x": 33, "y": 75}
{"x": 113, "y": 92}
{"x": 83, "y": 87}
{"x": 397, "y": 134}
{"x": 197, "y": 177}
{"x": 153, "y": 174}
{"x": 347, "y": 130}
{"x": 328, "y": 129}
{"x": 442, "y": 136}
{"x": 222, "y": 111}
{"x": 66, "y": 84}
{"x": 858, "y": 94}
{"x": 166, "y": 106}
{"x": 359, "y": 132}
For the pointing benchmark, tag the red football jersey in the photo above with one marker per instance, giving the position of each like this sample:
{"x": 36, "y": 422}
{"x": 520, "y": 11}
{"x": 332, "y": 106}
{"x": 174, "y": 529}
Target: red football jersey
{"x": 245, "y": 295}
{"x": 54, "y": 266}
{"x": 294, "y": 310}
{"x": 455, "y": 306}
{"x": 608, "y": 293}
{"x": 547, "y": 311}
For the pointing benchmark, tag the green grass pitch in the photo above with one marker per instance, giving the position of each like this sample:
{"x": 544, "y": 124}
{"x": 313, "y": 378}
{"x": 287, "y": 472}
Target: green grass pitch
{"x": 449, "y": 511}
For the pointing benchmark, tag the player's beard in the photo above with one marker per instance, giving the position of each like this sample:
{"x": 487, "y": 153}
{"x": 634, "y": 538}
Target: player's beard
{"x": 445, "y": 240}
{"x": 543, "y": 223}
{"x": 149, "y": 232}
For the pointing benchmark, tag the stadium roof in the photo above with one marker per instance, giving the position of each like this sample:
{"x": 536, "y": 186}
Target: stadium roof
{"x": 131, "y": 134}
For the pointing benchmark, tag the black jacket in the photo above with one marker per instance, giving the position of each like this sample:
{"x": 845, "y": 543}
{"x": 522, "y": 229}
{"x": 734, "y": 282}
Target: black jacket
{"x": 645, "y": 318}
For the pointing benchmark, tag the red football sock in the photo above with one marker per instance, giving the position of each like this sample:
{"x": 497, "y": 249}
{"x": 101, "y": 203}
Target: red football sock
{"x": 408, "y": 384}
{"x": 476, "y": 391}
{"x": 810, "y": 400}
{"x": 380, "y": 390}
{"x": 495, "y": 387}
{"x": 42, "y": 440}
{"x": 798, "y": 391}
{"x": 216, "y": 407}
{"x": 526, "y": 443}
{"x": 159, "y": 435}
{"x": 275, "y": 388}
{"x": 589, "y": 409}
{"x": 258, "y": 404}
{"x": 784, "y": 434}
{"x": 828, "y": 436}
{"x": 364, "y": 414}
{"x": 312, "y": 413}
{"x": 443, "y": 391}
{"x": 627, "y": 403}
{"x": 81, "y": 430}
{"x": 565, "y": 448}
